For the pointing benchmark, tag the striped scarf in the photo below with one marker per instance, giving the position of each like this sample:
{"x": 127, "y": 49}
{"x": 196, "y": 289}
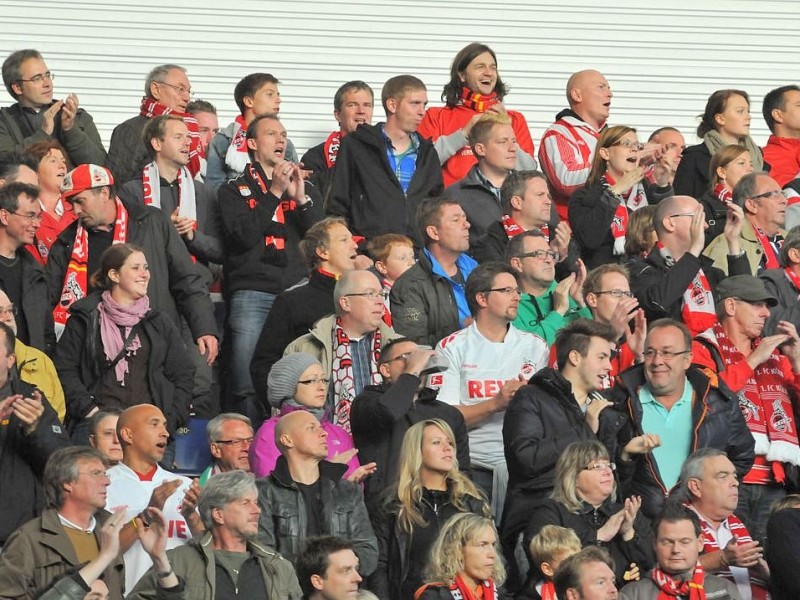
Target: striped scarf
{"x": 477, "y": 102}
{"x": 255, "y": 184}
{"x": 697, "y": 306}
{"x": 236, "y": 157}
{"x": 670, "y": 587}
{"x": 153, "y": 108}
{"x": 512, "y": 229}
{"x": 633, "y": 199}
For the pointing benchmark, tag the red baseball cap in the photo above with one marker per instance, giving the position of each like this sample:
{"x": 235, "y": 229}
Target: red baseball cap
{"x": 85, "y": 177}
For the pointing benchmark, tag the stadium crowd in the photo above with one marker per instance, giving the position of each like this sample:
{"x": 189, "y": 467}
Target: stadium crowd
{"x": 447, "y": 363}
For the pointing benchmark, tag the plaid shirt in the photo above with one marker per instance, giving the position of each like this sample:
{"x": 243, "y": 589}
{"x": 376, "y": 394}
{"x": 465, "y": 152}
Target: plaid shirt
{"x": 405, "y": 163}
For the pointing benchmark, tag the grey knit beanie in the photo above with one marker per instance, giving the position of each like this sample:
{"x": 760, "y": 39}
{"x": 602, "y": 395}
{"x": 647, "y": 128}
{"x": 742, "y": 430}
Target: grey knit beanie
{"x": 284, "y": 375}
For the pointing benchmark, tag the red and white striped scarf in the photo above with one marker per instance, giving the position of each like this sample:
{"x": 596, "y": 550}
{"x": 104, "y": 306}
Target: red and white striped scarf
{"x": 76, "y": 279}
{"x": 633, "y": 199}
{"x": 253, "y": 175}
{"x": 153, "y": 108}
{"x": 764, "y": 401}
{"x": 342, "y": 372}
{"x": 697, "y": 310}
{"x": 757, "y": 586}
{"x": 670, "y": 587}
{"x": 769, "y": 250}
{"x": 723, "y": 194}
{"x": 331, "y": 148}
{"x": 236, "y": 157}
{"x": 512, "y": 228}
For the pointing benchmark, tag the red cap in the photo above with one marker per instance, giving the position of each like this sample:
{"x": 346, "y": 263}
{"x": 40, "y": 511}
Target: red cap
{"x": 85, "y": 177}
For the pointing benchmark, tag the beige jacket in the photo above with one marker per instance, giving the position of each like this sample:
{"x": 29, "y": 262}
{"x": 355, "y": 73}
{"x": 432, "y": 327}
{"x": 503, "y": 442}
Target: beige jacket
{"x": 717, "y": 250}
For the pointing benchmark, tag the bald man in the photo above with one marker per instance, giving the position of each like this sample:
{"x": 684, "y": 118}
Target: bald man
{"x": 676, "y": 280}
{"x": 305, "y": 496}
{"x": 138, "y": 482}
{"x": 567, "y": 147}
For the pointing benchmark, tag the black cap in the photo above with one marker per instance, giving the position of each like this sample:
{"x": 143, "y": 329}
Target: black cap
{"x": 745, "y": 287}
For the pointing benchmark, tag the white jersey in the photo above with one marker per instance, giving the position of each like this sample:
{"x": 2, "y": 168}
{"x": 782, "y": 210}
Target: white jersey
{"x": 478, "y": 369}
{"x": 129, "y": 492}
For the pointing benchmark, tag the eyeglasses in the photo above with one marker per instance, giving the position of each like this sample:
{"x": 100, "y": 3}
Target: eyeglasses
{"x": 505, "y": 290}
{"x": 314, "y": 381}
{"x": 30, "y": 217}
{"x": 40, "y": 78}
{"x": 630, "y": 145}
{"x": 179, "y": 88}
{"x": 236, "y": 442}
{"x": 402, "y": 357}
{"x": 601, "y": 466}
{"x": 615, "y": 293}
{"x": 96, "y": 474}
{"x": 371, "y": 295}
{"x": 769, "y": 195}
{"x": 651, "y": 353}
{"x": 681, "y": 215}
{"x": 9, "y": 309}
{"x": 541, "y": 255}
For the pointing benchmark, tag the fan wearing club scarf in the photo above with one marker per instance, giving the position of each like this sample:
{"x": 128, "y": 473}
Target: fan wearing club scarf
{"x": 675, "y": 280}
{"x": 616, "y": 186}
{"x": 166, "y": 91}
{"x": 728, "y": 165}
{"x": 475, "y": 87}
{"x": 678, "y": 574}
{"x": 255, "y": 94}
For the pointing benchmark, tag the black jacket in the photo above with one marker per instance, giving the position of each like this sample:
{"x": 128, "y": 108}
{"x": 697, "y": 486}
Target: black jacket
{"x": 35, "y": 307}
{"x": 321, "y": 176}
{"x": 691, "y": 178}
{"x": 783, "y": 531}
{"x": 284, "y": 516}
{"x": 587, "y": 521}
{"x": 542, "y": 419}
{"x": 480, "y": 204}
{"x": 127, "y": 154}
{"x": 716, "y": 213}
{"x": 247, "y": 218}
{"x": 660, "y": 289}
{"x": 391, "y": 579}
{"x": 423, "y": 306}
{"x": 788, "y": 308}
{"x": 22, "y": 461}
{"x": 591, "y": 212}
{"x": 80, "y": 358}
{"x": 175, "y": 284}
{"x": 381, "y": 415}
{"x": 293, "y": 314}
{"x": 366, "y": 192}
{"x": 717, "y": 422}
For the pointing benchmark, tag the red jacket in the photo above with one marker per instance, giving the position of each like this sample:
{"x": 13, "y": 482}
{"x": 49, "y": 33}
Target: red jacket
{"x": 445, "y": 120}
{"x": 783, "y": 155}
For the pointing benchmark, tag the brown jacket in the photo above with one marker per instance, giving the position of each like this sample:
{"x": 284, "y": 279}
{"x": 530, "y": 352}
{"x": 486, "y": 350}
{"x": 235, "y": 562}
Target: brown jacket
{"x": 39, "y": 553}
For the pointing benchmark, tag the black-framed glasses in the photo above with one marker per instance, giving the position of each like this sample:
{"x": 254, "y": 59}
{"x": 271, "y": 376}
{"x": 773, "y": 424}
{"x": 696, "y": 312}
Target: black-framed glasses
{"x": 541, "y": 255}
{"x": 651, "y": 353}
{"x": 601, "y": 466}
{"x": 40, "y": 77}
{"x": 181, "y": 89}
{"x": 236, "y": 442}
{"x": 615, "y": 293}
{"x": 314, "y": 381}
{"x": 505, "y": 290}
{"x": 373, "y": 295}
{"x": 769, "y": 195}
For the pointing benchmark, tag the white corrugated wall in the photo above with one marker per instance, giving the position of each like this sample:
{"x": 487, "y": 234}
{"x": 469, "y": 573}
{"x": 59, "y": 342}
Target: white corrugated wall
{"x": 662, "y": 61}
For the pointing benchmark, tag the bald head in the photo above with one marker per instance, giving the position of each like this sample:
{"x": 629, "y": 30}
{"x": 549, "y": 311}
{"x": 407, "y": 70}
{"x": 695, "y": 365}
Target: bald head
{"x": 674, "y": 205}
{"x": 300, "y": 437}
{"x": 589, "y": 95}
{"x": 290, "y": 423}
{"x": 143, "y": 435}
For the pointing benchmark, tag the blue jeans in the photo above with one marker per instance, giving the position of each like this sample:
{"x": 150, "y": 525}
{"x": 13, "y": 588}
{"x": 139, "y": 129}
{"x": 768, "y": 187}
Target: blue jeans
{"x": 247, "y": 311}
{"x": 754, "y": 505}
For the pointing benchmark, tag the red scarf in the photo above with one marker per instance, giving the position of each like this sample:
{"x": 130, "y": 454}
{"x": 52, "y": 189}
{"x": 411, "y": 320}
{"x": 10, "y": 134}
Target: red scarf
{"x": 673, "y": 588}
{"x": 239, "y": 141}
{"x": 387, "y": 309}
{"x": 254, "y": 175}
{"x": 153, "y": 108}
{"x": 549, "y": 591}
{"x": 697, "y": 310}
{"x": 76, "y": 280}
{"x": 723, "y": 194}
{"x": 795, "y": 279}
{"x": 765, "y": 403}
{"x": 477, "y": 102}
{"x": 758, "y": 587}
{"x": 331, "y": 148}
{"x": 459, "y": 590}
{"x": 342, "y": 370}
{"x": 631, "y": 200}
{"x": 769, "y": 251}
{"x": 512, "y": 228}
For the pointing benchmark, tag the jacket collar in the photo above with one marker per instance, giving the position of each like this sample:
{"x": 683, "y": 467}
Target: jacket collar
{"x": 327, "y": 470}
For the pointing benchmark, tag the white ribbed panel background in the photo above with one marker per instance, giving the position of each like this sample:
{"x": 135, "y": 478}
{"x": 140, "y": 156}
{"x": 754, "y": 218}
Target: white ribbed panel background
{"x": 662, "y": 59}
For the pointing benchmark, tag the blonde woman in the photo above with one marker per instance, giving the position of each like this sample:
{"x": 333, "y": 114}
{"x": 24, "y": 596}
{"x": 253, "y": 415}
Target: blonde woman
{"x": 465, "y": 561}
{"x": 430, "y": 490}
{"x": 583, "y": 500}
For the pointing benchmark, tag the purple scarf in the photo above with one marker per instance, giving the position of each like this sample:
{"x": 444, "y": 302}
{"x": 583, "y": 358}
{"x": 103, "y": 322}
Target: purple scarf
{"x": 112, "y": 317}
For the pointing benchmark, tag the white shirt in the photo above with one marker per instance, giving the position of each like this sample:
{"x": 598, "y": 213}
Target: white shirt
{"x": 741, "y": 576}
{"x": 129, "y": 492}
{"x": 478, "y": 369}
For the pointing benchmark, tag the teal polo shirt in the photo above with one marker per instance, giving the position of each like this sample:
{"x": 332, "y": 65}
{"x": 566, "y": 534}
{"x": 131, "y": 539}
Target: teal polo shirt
{"x": 674, "y": 426}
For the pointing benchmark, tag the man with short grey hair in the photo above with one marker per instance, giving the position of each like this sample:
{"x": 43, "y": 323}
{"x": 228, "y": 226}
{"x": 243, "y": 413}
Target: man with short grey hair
{"x": 166, "y": 91}
{"x": 225, "y": 562}
{"x": 348, "y": 343}
{"x": 37, "y": 116}
{"x": 230, "y": 436}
